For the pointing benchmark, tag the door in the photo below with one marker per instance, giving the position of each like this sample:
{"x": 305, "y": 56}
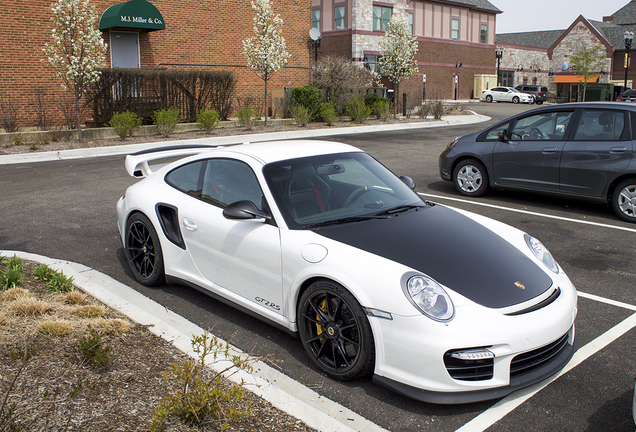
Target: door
{"x": 530, "y": 158}
{"x": 241, "y": 256}
{"x": 598, "y": 150}
{"x": 124, "y": 49}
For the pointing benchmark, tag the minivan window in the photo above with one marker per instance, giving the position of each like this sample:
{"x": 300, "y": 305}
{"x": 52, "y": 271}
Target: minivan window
{"x": 600, "y": 125}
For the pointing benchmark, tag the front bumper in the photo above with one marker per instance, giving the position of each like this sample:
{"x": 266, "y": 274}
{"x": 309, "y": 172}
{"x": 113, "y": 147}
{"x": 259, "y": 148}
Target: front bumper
{"x": 517, "y": 382}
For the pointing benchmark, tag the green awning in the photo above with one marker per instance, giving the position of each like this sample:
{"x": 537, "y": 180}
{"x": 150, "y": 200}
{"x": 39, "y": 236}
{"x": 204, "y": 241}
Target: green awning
{"x": 132, "y": 14}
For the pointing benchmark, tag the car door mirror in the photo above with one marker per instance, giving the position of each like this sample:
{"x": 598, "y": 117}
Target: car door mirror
{"x": 501, "y": 136}
{"x": 408, "y": 181}
{"x": 244, "y": 210}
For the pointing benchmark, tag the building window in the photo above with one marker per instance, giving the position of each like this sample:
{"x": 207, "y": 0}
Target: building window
{"x": 454, "y": 29}
{"x": 339, "y": 16}
{"x": 372, "y": 62}
{"x": 411, "y": 23}
{"x": 507, "y": 78}
{"x": 484, "y": 33}
{"x": 315, "y": 18}
{"x": 381, "y": 17}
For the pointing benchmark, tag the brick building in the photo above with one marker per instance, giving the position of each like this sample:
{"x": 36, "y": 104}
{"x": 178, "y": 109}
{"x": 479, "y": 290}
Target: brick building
{"x": 543, "y": 57}
{"x": 456, "y": 40}
{"x": 183, "y": 34}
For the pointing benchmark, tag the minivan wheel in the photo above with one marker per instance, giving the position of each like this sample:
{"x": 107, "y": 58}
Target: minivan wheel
{"x": 624, "y": 200}
{"x": 470, "y": 178}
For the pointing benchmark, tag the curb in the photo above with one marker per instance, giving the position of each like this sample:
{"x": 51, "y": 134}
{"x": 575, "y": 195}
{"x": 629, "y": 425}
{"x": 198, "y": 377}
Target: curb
{"x": 266, "y": 382}
{"x": 236, "y": 139}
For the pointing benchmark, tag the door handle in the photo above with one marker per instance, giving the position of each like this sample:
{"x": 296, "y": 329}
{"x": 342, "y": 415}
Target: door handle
{"x": 549, "y": 150}
{"x": 618, "y": 150}
{"x": 190, "y": 225}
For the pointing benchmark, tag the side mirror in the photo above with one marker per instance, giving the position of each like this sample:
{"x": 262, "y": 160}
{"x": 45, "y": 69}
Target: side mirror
{"x": 244, "y": 210}
{"x": 408, "y": 181}
{"x": 502, "y": 136}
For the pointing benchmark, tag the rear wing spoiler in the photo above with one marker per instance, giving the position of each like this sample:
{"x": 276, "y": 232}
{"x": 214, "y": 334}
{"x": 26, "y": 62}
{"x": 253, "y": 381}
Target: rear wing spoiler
{"x": 139, "y": 164}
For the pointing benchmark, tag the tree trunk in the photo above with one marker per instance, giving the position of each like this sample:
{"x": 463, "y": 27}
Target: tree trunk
{"x": 78, "y": 114}
{"x": 266, "y": 107}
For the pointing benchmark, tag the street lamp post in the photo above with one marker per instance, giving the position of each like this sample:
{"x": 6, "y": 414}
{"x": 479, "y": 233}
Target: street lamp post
{"x": 458, "y": 65}
{"x": 629, "y": 37}
{"x": 499, "y": 54}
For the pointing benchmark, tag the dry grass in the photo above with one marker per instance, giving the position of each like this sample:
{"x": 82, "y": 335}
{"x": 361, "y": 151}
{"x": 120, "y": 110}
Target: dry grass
{"x": 29, "y": 306}
{"x": 90, "y": 311}
{"x": 55, "y": 327}
{"x": 46, "y": 327}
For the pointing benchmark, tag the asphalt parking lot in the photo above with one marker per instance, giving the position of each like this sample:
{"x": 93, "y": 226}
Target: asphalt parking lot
{"x": 66, "y": 209}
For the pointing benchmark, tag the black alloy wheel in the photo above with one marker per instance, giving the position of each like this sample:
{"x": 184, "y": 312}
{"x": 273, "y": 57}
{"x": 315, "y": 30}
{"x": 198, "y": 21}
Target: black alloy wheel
{"x": 143, "y": 250}
{"x": 335, "y": 331}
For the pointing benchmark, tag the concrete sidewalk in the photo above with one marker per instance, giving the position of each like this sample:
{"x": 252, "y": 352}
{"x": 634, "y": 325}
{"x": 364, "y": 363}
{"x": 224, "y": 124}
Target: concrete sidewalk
{"x": 124, "y": 149}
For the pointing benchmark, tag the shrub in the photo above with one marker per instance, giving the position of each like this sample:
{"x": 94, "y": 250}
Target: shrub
{"x": 309, "y": 97}
{"x": 208, "y": 120}
{"x": 194, "y": 397}
{"x": 382, "y": 109}
{"x": 124, "y": 123}
{"x": 246, "y": 115}
{"x": 13, "y": 276}
{"x": 91, "y": 348}
{"x": 300, "y": 114}
{"x": 372, "y": 98}
{"x": 166, "y": 120}
{"x": 357, "y": 110}
{"x": 328, "y": 112}
{"x": 437, "y": 109}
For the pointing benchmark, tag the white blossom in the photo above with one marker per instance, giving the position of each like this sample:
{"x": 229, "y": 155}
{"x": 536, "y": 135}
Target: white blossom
{"x": 266, "y": 51}
{"x": 78, "y": 49}
{"x": 398, "y": 48}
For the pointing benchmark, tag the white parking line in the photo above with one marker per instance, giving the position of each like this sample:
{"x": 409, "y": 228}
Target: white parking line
{"x": 529, "y": 212}
{"x": 512, "y": 401}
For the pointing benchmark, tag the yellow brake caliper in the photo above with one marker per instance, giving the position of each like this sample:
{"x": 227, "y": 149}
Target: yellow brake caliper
{"x": 323, "y": 307}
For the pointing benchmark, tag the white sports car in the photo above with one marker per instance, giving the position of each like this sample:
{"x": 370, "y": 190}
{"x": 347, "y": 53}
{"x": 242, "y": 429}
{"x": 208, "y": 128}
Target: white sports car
{"x": 320, "y": 239}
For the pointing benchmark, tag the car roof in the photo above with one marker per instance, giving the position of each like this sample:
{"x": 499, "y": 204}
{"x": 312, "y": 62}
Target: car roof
{"x": 274, "y": 151}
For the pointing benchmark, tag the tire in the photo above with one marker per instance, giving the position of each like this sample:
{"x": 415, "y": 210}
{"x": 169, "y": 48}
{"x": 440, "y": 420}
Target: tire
{"x": 335, "y": 331}
{"x": 515, "y": 100}
{"x": 488, "y": 98}
{"x": 539, "y": 102}
{"x": 143, "y": 251}
{"x": 470, "y": 178}
{"x": 624, "y": 200}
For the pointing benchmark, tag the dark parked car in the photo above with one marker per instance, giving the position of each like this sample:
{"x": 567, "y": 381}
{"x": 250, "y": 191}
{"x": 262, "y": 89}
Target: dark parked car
{"x": 583, "y": 150}
{"x": 540, "y": 93}
{"x": 627, "y": 96}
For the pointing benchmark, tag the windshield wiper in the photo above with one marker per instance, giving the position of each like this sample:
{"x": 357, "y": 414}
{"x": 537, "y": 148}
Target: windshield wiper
{"x": 343, "y": 220}
{"x": 398, "y": 209}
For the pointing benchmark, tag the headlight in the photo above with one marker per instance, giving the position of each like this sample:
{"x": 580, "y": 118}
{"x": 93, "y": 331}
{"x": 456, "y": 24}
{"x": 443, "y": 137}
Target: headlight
{"x": 429, "y": 297}
{"x": 452, "y": 143}
{"x": 542, "y": 253}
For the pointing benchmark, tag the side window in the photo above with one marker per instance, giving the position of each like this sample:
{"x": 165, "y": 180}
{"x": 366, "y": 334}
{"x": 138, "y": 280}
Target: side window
{"x": 598, "y": 125}
{"x": 493, "y": 134}
{"x": 544, "y": 126}
{"x": 226, "y": 181}
{"x": 187, "y": 178}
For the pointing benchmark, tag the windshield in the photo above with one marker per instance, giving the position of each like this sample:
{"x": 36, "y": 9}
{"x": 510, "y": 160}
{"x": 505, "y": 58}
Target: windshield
{"x": 335, "y": 188}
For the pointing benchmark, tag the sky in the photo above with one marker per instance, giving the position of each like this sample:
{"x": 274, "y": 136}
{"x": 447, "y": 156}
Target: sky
{"x": 534, "y": 15}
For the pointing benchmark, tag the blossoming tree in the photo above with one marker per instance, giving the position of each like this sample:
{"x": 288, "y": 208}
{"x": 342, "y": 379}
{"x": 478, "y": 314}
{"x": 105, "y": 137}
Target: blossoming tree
{"x": 398, "y": 48}
{"x": 78, "y": 49}
{"x": 266, "y": 51}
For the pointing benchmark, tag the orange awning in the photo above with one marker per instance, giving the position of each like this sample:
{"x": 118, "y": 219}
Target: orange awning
{"x": 573, "y": 79}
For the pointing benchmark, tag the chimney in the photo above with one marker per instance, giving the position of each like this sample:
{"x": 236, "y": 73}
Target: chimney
{"x": 608, "y": 19}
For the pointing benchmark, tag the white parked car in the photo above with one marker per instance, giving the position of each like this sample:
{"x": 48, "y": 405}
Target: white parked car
{"x": 321, "y": 240}
{"x": 506, "y": 94}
